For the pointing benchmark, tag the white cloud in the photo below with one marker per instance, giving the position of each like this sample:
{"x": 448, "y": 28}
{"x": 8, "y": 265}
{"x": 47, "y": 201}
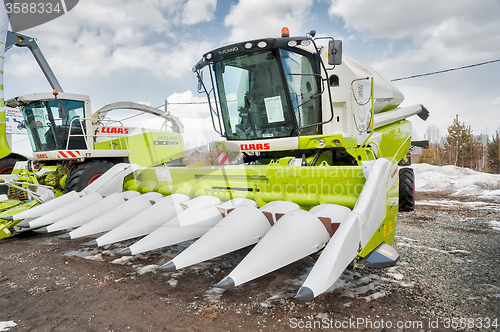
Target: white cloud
{"x": 196, "y": 11}
{"x": 416, "y": 37}
{"x": 437, "y": 31}
{"x": 196, "y": 118}
{"x": 99, "y": 38}
{"x": 250, "y": 19}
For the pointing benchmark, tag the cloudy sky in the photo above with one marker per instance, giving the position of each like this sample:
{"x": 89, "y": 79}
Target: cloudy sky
{"x": 143, "y": 51}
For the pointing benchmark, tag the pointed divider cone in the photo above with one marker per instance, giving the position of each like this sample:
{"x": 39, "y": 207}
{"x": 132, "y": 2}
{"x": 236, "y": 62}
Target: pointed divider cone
{"x": 117, "y": 216}
{"x": 354, "y": 231}
{"x": 204, "y": 198}
{"x": 47, "y": 207}
{"x": 242, "y": 227}
{"x": 190, "y": 224}
{"x": 145, "y": 222}
{"x": 92, "y": 212}
{"x": 338, "y": 254}
{"x": 66, "y": 210}
{"x": 90, "y": 244}
{"x": 296, "y": 235}
{"x": 226, "y": 283}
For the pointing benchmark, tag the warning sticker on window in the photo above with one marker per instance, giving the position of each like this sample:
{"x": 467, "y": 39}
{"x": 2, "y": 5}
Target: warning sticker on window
{"x": 274, "y": 109}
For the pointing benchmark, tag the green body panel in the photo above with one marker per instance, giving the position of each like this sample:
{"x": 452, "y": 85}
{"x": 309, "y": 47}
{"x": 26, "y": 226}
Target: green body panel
{"x": 7, "y": 227}
{"x": 395, "y": 140}
{"x": 313, "y": 142}
{"x": 5, "y": 205}
{"x": 306, "y": 186}
{"x": 387, "y": 229}
{"x": 148, "y": 149}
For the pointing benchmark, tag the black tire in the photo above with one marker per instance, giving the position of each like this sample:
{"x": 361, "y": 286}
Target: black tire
{"x": 406, "y": 189}
{"x": 7, "y": 165}
{"x": 85, "y": 173}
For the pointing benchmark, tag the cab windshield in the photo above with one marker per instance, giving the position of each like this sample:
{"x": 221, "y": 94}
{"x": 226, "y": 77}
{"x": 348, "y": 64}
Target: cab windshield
{"x": 50, "y": 122}
{"x": 257, "y": 103}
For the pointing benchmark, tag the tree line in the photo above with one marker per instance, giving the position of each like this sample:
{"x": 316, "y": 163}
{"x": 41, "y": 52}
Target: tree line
{"x": 462, "y": 149}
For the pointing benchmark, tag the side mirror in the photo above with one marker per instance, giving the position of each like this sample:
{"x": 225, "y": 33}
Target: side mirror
{"x": 62, "y": 110}
{"x": 335, "y": 52}
{"x": 200, "y": 81}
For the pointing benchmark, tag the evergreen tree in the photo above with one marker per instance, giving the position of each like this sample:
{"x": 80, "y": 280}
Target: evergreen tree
{"x": 493, "y": 154}
{"x": 432, "y": 155}
{"x": 461, "y": 148}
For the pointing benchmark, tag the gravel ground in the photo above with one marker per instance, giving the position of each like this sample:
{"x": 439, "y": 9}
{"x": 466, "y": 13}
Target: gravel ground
{"x": 449, "y": 270}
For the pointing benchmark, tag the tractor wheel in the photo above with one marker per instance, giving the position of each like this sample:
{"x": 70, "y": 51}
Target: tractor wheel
{"x": 406, "y": 189}
{"x": 7, "y": 165}
{"x": 86, "y": 173}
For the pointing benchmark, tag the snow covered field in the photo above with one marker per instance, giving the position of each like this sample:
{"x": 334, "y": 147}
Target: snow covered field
{"x": 482, "y": 189}
{"x": 460, "y": 181}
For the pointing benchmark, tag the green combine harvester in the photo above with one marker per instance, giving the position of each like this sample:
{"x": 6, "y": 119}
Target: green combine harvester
{"x": 73, "y": 146}
{"x": 321, "y": 136}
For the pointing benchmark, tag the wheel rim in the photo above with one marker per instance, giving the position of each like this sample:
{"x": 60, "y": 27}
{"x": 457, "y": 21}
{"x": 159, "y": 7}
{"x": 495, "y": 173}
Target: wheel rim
{"x": 95, "y": 177}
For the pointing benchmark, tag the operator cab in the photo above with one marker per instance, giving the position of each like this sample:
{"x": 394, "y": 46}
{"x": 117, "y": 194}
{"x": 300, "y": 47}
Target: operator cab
{"x": 266, "y": 89}
{"x": 53, "y": 123}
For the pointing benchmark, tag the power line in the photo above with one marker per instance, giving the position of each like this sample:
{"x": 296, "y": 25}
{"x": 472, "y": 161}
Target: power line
{"x": 446, "y": 70}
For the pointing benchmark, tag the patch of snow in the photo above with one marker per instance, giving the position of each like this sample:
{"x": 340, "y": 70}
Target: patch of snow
{"x": 97, "y": 257}
{"x": 277, "y": 297}
{"x": 375, "y": 296}
{"x": 405, "y": 239}
{"x": 457, "y": 251}
{"x": 213, "y": 294}
{"x": 83, "y": 253}
{"x": 148, "y": 268}
{"x": 495, "y": 225}
{"x": 5, "y": 326}
{"x": 172, "y": 282}
{"x": 108, "y": 253}
{"x": 451, "y": 204}
{"x": 125, "y": 260}
{"x": 461, "y": 181}
{"x": 353, "y": 284}
{"x": 323, "y": 315}
{"x": 397, "y": 276}
{"x": 452, "y": 251}
{"x": 47, "y": 242}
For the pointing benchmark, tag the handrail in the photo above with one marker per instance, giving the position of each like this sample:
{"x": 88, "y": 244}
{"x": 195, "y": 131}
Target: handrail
{"x": 94, "y": 136}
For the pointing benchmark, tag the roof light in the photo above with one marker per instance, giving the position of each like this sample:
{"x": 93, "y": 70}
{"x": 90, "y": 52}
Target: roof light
{"x": 285, "y": 32}
{"x": 248, "y": 46}
{"x": 292, "y": 43}
{"x": 55, "y": 92}
{"x": 262, "y": 44}
{"x": 305, "y": 42}
{"x": 209, "y": 56}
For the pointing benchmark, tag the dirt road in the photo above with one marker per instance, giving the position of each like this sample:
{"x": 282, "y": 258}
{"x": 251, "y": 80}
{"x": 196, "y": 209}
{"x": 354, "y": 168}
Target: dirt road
{"x": 449, "y": 274}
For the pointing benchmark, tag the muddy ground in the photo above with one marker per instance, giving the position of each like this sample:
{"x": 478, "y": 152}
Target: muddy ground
{"x": 449, "y": 274}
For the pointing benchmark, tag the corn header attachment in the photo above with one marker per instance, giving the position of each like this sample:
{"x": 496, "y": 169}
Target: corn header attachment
{"x": 320, "y": 137}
